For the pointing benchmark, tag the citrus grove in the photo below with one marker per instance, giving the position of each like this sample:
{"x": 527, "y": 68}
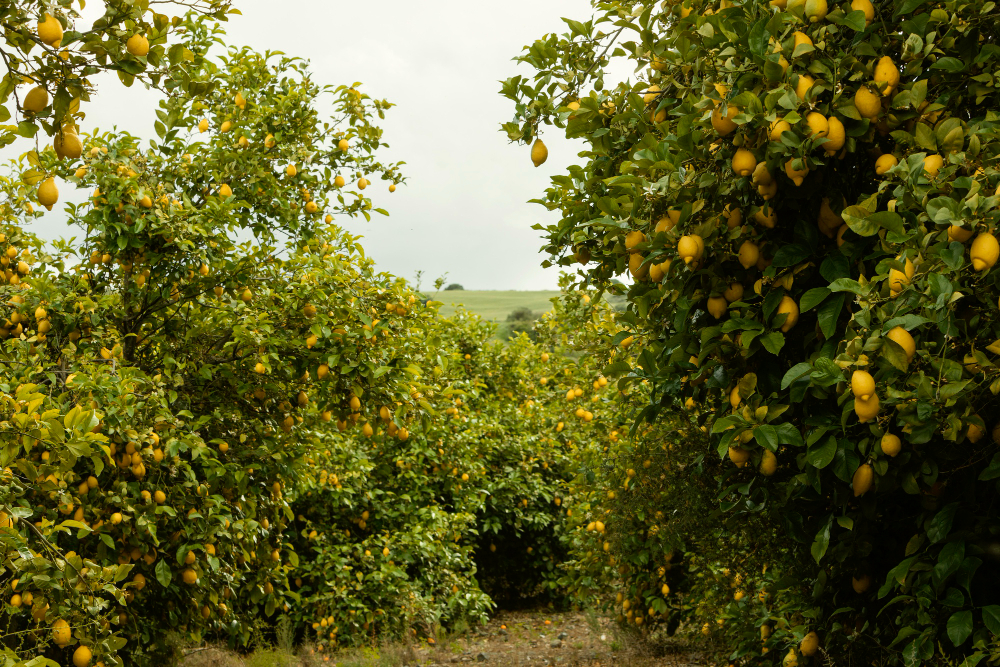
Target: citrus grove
{"x": 805, "y": 197}
{"x": 219, "y": 421}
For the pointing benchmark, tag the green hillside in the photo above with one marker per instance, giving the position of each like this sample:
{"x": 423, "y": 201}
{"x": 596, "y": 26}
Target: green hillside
{"x": 494, "y": 305}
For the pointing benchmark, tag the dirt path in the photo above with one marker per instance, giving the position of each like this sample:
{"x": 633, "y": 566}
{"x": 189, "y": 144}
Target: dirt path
{"x": 511, "y": 639}
{"x": 537, "y": 638}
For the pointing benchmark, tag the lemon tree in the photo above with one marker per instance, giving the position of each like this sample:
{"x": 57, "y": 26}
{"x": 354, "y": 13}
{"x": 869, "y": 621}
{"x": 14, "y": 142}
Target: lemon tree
{"x": 50, "y": 57}
{"x": 803, "y": 195}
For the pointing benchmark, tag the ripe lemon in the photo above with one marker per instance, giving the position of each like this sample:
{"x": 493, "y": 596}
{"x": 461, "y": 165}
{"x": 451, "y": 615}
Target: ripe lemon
{"x": 636, "y": 268}
{"x": 861, "y": 482}
{"x": 734, "y": 292}
{"x": 650, "y": 95}
{"x": 891, "y": 444}
{"x": 932, "y": 165}
{"x": 800, "y": 38}
{"x": 984, "y": 252}
{"x": 749, "y": 254}
{"x": 866, "y": 409}
{"x": 189, "y": 576}
{"x": 225, "y": 190}
{"x": 739, "y": 456}
{"x": 900, "y": 279}
{"x": 816, "y": 10}
{"x": 36, "y": 100}
{"x": 886, "y": 73}
{"x": 61, "y": 632}
{"x": 777, "y": 127}
{"x": 866, "y": 7}
{"x": 836, "y": 135}
{"x": 862, "y": 385}
{"x": 138, "y": 46}
{"x": 633, "y": 239}
{"x": 203, "y": 125}
{"x": 667, "y": 221}
{"x": 539, "y": 153}
{"x": 733, "y": 215}
{"x": 960, "y": 234}
{"x": 902, "y": 337}
{"x": 722, "y": 119}
{"x": 50, "y": 30}
{"x": 803, "y": 85}
{"x": 768, "y": 220}
{"x": 868, "y": 104}
{"x": 717, "y": 306}
{"x": 768, "y": 463}
{"x": 791, "y": 309}
{"x": 818, "y": 125}
{"x": 82, "y": 657}
{"x": 809, "y": 644}
{"x": 48, "y": 193}
{"x": 339, "y": 181}
{"x": 241, "y": 102}
{"x": 291, "y": 170}
{"x": 797, "y": 175}
{"x": 861, "y": 584}
{"x": 744, "y": 162}
{"x": 690, "y": 248}
{"x": 884, "y": 163}
{"x": 67, "y": 143}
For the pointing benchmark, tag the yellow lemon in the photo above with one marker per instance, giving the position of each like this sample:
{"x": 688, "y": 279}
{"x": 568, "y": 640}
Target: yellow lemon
{"x": 739, "y": 456}
{"x": 722, "y": 119}
{"x": 36, "y": 99}
{"x": 800, "y": 38}
{"x": 866, "y": 410}
{"x": 861, "y": 482}
{"x": 885, "y": 162}
{"x": 809, "y": 644}
{"x": 886, "y": 73}
{"x": 900, "y": 279}
{"x": 797, "y": 175}
{"x": 861, "y": 584}
{"x": 734, "y": 292}
{"x": 749, "y": 254}
{"x": 803, "y": 85}
{"x": 82, "y": 657}
{"x": 984, "y": 252}
{"x": 932, "y": 165}
{"x": 868, "y": 104}
{"x": 777, "y": 127}
{"x": 960, "y": 234}
{"x": 862, "y": 385}
{"x": 768, "y": 463}
{"x": 891, "y": 444}
{"x": 633, "y": 239}
{"x": 50, "y": 30}
{"x": 61, "y": 632}
{"x": 690, "y": 248}
{"x": 717, "y": 306}
{"x": 902, "y": 337}
{"x": 48, "y": 193}
{"x": 866, "y": 7}
{"x": 836, "y": 136}
{"x": 744, "y": 162}
{"x": 818, "y": 125}
{"x": 137, "y": 45}
{"x": 789, "y": 308}
{"x": 539, "y": 153}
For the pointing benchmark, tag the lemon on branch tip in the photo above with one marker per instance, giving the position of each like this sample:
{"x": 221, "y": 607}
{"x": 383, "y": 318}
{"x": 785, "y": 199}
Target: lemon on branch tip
{"x": 539, "y": 153}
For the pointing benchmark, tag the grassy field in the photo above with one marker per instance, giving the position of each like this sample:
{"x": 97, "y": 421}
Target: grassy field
{"x": 494, "y": 305}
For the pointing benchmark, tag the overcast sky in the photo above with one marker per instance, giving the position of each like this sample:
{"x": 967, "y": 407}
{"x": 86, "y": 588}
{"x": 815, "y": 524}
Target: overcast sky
{"x": 464, "y": 210}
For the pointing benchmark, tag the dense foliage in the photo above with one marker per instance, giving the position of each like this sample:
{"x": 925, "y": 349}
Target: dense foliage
{"x": 805, "y": 197}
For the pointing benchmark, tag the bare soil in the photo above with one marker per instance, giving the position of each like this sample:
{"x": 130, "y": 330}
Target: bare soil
{"x": 572, "y": 639}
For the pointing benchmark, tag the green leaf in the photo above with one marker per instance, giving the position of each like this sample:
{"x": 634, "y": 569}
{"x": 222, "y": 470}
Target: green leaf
{"x": 991, "y": 618}
{"x": 773, "y": 341}
{"x": 960, "y": 627}
{"x": 821, "y": 455}
{"x": 939, "y": 527}
{"x": 799, "y": 370}
{"x": 949, "y": 64}
{"x": 822, "y": 540}
{"x": 766, "y": 436}
{"x": 813, "y": 298}
{"x": 163, "y": 573}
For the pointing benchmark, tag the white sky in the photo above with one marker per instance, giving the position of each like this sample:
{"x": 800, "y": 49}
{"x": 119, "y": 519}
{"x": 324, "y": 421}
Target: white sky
{"x": 464, "y": 210}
